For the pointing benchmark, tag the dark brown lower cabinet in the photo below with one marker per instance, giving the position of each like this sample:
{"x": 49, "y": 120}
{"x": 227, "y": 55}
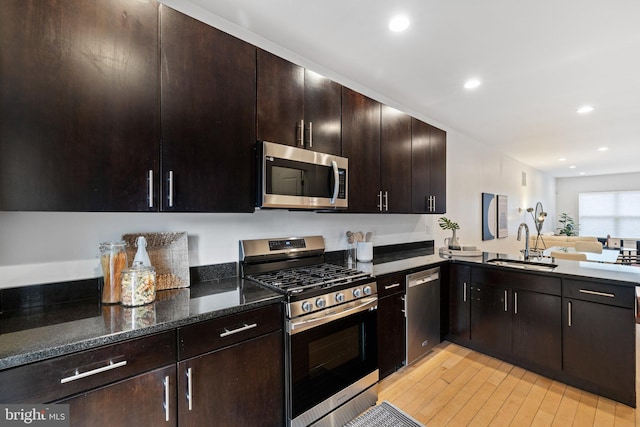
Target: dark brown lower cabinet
{"x": 599, "y": 348}
{"x": 460, "y": 304}
{"x": 490, "y": 318}
{"x": 535, "y": 333}
{"x": 240, "y": 385}
{"x": 391, "y": 334}
{"x": 392, "y": 347}
{"x": 581, "y": 332}
{"x": 144, "y": 400}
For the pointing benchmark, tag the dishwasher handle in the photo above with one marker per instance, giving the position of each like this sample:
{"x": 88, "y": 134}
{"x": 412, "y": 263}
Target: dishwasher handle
{"x": 423, "y": 277}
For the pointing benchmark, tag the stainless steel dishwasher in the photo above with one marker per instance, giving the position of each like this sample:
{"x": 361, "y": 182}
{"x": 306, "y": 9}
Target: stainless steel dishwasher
{"x": 422, "y": 310}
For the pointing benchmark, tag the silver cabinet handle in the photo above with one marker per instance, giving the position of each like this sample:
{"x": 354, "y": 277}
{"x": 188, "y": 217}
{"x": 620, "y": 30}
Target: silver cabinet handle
{"x": 301, "y": 136}
{"x": 515, "y": 302}
{"x": 165, "y": 405}
{"x": 150, "y": 183}
{"x": 380, "y": 200}
{"x": 506, "y": 308}
{"x": 600, "y": 294}
{"x": 464, "y": 292}
{"x": 189, "y": 389}
{"x": 170, "y": 197}
{"x": 336, "y": 182}
{"x": 79, "y": 375}
{"x": 310, "y": 134}
{"x": 433, "y": 207}
{"x": 395, "y": 285}
{"x": 235, "y": 331}
{"x": 386, "y": 201}
{"x": 569, "y": 312}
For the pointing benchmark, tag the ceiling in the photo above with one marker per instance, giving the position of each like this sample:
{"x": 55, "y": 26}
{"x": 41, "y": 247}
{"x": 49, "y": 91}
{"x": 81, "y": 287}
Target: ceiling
{"x": 538, "y": 63}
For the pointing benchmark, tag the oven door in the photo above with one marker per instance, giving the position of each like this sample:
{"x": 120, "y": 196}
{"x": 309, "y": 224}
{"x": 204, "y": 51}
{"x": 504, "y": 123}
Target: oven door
{"x": 328, "y": 355}
{"x": 294, "y": 178}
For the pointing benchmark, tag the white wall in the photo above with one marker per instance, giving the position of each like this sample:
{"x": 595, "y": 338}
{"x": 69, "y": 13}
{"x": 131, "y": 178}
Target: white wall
{"x": 45, "y": 247}
{"x": 568, "y": 189}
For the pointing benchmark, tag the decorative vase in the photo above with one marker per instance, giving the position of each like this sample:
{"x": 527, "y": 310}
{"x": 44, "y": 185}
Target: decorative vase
{"x": 452, "y": 242}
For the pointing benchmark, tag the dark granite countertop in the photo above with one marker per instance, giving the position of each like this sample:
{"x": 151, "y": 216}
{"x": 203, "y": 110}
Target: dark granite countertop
{"x": 36, "y": 335}
{"x": 624, "y": 275}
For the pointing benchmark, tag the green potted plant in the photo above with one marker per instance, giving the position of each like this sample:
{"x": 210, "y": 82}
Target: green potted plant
{"x": 568, "y": 226}
{"x": 447, "y": 224}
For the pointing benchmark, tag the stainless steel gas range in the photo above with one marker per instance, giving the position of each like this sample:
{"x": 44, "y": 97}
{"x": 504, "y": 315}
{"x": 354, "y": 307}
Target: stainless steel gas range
{"x": 331, "y": 318}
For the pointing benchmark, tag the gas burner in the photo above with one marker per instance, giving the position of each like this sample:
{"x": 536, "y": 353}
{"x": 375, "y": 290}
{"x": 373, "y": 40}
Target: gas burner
{"x": 308, "y": 277}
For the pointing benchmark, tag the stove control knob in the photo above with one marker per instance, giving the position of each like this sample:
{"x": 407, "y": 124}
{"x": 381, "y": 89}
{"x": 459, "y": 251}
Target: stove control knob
{"x": 367, "y": 290}
{"x": 357, "y": 293}
{"x": 306, "y": 306}
{"x": 339, "y": 297}
{"x": 320, "y": 303}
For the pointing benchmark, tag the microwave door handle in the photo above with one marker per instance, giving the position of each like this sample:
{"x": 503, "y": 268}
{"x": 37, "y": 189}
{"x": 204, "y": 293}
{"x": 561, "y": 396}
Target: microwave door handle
{"x": 336, "y": 182}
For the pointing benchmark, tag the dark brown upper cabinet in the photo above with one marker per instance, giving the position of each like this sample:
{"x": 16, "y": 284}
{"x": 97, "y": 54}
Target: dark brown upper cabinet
{"x": 78, "y": 105}
{"x": 377, "y": 140}
{"x": 428, "y": 168}
{"x": 395, "y": 157}
{"x": 208, "y": 102}
{"x": 361, "y": 145}
{"x": 297, "y": 107}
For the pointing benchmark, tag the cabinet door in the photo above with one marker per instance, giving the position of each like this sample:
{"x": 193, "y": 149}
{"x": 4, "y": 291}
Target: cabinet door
{"x": 490, "y": 318}
{"x": 537, "y": 331}
{"x": 395, "y": 158}
{"x": 361, "y": 145}
{"x": 460, "y": 303}
{"x": 391, "y": 334}
{"x": 145, "y": 400}
{"x": 438, "y": 169}
{"x": 208, "y": 117}
{"x": 599, "y": 347}
{"x": 280, "y": 100}
{"x": 79, "y": 105}
{"x": 322, "y": 113}
{"x": 241, "y": 385}
{"x": 428, "y": 170}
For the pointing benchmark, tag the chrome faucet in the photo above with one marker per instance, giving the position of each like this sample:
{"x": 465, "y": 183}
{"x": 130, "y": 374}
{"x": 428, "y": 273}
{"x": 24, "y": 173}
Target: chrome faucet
{"x": 526, "y": 243}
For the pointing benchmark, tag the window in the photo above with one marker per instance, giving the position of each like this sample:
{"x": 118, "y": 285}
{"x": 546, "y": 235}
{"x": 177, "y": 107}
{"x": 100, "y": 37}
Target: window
{"x": 614, "y": 213}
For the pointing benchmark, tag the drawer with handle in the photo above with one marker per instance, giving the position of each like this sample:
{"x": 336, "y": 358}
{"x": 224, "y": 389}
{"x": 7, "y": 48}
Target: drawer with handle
{"x": 391, "y": 284}
{"x": 53, "y": 379}
{"x": 603, "y": 293}
{"x": 212, "y": 334}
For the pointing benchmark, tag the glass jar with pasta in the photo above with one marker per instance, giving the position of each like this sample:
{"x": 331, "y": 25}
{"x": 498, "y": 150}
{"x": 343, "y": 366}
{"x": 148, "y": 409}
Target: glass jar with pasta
{"x": 113, "y": 259}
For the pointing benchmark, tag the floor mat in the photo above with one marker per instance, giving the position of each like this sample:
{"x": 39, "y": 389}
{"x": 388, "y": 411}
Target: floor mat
{"x": 384, "y": 415}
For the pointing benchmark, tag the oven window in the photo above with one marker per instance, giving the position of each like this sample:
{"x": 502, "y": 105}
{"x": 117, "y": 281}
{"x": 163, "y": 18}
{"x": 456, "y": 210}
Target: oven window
{"x": 329, "y": 353}
{"x": 328, "y": 358}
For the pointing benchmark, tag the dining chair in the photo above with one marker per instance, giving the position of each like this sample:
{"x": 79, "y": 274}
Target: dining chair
{"x": 595, "y": 247}
{"x": 572, "y": 256}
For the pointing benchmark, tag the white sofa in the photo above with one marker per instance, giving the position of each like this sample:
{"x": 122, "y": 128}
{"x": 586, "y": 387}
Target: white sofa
{"x": 547, "y": 241}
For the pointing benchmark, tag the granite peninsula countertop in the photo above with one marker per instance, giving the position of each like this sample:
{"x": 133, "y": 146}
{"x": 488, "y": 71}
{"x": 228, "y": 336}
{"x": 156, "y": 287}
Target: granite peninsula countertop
{"x": 51, "y": 332}
{"x": 43, "y": 334}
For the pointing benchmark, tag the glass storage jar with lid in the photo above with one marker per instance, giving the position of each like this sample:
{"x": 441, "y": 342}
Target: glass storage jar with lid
{"x": 138, "y": 285}
{"x": 113, "y": 260}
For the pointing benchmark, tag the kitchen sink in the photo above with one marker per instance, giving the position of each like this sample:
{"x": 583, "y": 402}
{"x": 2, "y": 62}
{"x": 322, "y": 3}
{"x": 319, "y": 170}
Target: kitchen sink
{"x": 525, "y": 265}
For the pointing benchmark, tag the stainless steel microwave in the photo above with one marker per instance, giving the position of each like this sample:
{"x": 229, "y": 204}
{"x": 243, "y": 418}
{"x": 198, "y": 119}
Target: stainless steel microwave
{"x": 294, "y": 178}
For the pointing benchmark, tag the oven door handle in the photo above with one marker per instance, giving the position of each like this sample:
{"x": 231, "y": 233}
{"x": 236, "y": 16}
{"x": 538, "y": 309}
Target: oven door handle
{"x": 365, "y": 304}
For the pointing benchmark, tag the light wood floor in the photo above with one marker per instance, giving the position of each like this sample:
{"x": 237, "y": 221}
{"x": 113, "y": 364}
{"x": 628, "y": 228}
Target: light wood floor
{"x": 455, "y": 386}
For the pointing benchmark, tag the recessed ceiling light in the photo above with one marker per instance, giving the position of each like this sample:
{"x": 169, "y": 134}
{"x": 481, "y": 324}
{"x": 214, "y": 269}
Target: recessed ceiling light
{"x": 585, "y": 109}
{"x": 471, "y": 84}
{"x": 582, "y": 173}
{"x": 399, "y": 23}
{"x": 572, "y": 167}
{"x": 603, "y": 148}
{"x": 562, "y": 159}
